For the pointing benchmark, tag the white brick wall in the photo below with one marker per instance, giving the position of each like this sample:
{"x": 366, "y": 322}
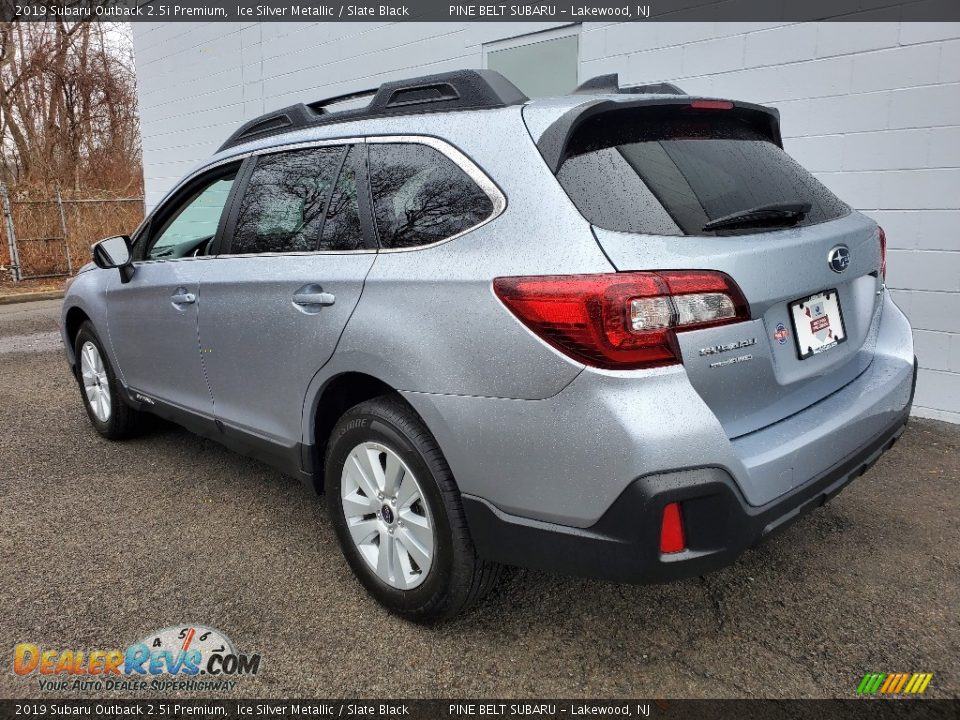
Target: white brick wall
{"x": 198, "y": 81}
{"x": 872, "y": 108}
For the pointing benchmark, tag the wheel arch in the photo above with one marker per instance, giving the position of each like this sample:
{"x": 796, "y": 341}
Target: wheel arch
{"x": 73, "y": 319}
{"x": 337, "y": 395}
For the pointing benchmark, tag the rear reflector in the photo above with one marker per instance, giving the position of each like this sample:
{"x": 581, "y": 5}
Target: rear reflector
{"x": 672, "y": 539}
{"x": 712, "y": 105}
{"x": 622, "y": 321}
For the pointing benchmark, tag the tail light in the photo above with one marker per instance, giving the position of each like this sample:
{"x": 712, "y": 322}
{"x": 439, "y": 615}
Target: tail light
{"x": 672, "y": 537}
{"x": 883, "y": 253}
{"x": 622, "y": 321}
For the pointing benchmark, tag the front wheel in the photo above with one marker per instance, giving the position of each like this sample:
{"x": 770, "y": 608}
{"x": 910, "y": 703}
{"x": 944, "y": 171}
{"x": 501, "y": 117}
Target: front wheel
{"x": 398, "y": 516}
{"x": 108, "y": 414}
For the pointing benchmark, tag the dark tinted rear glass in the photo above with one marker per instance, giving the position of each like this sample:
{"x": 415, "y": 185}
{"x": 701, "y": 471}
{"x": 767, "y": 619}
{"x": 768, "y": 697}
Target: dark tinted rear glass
{"x": 670, "y": 171}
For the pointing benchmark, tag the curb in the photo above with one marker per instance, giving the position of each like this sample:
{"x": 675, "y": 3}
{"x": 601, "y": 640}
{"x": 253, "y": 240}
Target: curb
{"x": 31, "y": 296}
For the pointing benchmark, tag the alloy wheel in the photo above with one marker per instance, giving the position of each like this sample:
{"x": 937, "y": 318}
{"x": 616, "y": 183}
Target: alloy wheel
{"x": 387, "y": 515}
{"x": 96, "y": 385}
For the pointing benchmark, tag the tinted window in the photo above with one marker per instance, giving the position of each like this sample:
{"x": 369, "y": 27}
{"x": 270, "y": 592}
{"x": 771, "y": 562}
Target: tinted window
{"x": 672, "y": 171}
{"x": 194, "y": 224}
{"x": 284, "y": 203}
{"x": 420, "y": 196}
{"x": 341, "y": 230}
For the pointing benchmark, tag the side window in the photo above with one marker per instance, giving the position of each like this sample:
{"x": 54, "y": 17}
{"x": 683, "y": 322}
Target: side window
{"x": 190, "y": 229}
{"x": 420, "y": 196}
{"x": 341, "y": 229}
{"x": 283, "y": 206}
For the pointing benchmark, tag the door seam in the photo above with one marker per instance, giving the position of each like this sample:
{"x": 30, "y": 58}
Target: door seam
{"x": 203, "y": 364}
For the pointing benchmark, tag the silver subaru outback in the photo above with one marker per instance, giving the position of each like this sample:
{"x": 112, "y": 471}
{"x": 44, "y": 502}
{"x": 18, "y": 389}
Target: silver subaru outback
{"x": 619, "y": 333}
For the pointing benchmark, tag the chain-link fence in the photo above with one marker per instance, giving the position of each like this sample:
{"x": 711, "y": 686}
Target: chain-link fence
{"x": 49, "y": 234}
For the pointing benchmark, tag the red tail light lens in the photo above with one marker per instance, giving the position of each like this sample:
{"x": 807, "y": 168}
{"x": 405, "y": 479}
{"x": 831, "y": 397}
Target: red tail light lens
{"x": 672, "y": 537}
{"x": 711, "y": 105}
{"x": 622, "y": 321}
{"x": 883, "y": 253}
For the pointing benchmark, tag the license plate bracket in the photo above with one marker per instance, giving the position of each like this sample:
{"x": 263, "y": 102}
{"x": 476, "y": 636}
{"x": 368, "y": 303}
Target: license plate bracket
{"x": 817, "y": 323}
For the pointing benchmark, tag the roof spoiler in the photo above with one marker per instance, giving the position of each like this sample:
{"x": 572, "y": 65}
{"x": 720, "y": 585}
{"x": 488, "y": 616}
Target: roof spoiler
{"x": 554, "y": 140}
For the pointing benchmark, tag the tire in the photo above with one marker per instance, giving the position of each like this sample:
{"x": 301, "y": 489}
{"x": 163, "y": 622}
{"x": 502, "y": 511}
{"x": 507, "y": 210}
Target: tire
{"x": 387, "y": 431}
{"x": 119, "y": 421}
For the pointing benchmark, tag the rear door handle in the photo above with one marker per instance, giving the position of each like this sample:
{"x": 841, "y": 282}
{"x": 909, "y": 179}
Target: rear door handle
{"x": 183, "y": 298}
{"x": 313, "y": 298}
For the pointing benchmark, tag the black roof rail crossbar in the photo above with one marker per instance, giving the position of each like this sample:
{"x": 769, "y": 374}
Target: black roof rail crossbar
{"x": 445, "y": 92}
{"x": 610, "y": 85}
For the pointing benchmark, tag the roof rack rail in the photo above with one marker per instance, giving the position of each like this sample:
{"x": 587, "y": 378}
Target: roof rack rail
{"x": 320, "y": 105}
{"x": 610, "y": 85}
{"x": 446, "y": 92}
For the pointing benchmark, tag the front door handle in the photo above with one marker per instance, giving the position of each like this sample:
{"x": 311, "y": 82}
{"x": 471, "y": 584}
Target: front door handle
{"x": 181, "y": 297}
{"x": 311, "y": 299}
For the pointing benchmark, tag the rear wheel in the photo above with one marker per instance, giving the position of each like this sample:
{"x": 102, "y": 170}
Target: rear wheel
{"x": 108, "y": 414}
{"x": 398, "y": 516}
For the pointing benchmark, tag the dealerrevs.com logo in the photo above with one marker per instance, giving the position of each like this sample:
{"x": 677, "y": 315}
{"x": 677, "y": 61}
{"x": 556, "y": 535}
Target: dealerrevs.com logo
{"x": 185, "y": 657}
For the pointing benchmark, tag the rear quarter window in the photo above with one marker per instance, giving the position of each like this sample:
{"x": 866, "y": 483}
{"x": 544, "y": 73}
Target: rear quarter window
{"x": 670, "y": 171}
{"x": 420, "y": 196}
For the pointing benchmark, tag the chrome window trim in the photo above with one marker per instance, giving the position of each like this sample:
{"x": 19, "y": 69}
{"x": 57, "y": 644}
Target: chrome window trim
{"x": 304, "y": 253}
{"x": 452, "y": 153}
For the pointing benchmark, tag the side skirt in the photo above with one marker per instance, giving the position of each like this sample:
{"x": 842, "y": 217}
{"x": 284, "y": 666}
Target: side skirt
{"x": 294, "y": 461}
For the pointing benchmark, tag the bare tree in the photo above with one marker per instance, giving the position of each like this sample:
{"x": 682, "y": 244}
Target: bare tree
{"x": 68, "y": 106}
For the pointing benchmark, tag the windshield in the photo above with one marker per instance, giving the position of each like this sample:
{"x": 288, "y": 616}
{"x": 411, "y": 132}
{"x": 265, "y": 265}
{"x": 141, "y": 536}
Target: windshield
{"x": 673, "y": 170}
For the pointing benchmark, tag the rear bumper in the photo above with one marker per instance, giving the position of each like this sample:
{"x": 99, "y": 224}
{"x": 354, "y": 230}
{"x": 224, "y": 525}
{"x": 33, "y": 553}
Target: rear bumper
{"x": 576, "y": 482}
{"x": 623, "y": 545}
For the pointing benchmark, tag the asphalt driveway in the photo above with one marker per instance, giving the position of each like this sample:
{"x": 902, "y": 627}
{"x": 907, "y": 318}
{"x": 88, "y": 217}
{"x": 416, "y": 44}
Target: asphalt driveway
{"x": 104, "y": 542}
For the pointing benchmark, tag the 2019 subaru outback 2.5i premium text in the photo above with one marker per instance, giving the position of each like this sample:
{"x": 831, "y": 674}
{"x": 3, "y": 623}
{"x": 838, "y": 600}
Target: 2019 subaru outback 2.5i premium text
{"x": 619, "y": 333}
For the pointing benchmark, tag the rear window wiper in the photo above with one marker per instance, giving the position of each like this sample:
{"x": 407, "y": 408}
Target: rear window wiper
{"x": 784, "y": 213}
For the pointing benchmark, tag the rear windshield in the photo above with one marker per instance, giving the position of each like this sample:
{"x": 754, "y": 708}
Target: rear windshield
{"x": 672, "y": 170}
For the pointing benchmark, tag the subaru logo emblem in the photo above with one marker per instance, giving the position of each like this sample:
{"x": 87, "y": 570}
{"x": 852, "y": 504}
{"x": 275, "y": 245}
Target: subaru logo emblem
{"x": 839, "y": 258}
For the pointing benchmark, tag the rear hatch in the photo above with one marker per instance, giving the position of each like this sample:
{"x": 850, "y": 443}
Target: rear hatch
{"x": 696, "y": 184}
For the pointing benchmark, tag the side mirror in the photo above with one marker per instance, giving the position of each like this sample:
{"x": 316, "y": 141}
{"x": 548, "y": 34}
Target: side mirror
{"x": 114, "y": 253}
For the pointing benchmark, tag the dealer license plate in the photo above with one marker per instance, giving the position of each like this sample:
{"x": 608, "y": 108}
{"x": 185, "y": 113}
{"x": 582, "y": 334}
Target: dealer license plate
{"x": 817, "y": 323}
